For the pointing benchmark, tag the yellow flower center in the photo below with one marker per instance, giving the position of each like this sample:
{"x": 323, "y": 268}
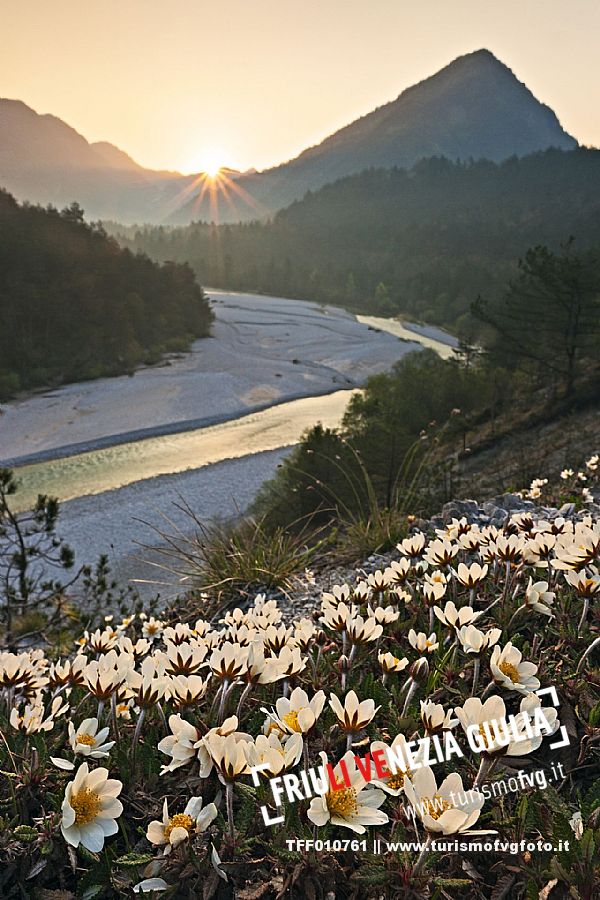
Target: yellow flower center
{"x": 291, "y": 720}
{"x": 436, "y": 806}
{"x": 181, "y": 820}
{"x": 510, "y": 671}
{"x": 86, "y": 804}
{"x": 274, "y": 727}
{"x": 395, "y": 782}
{"x": 87, "y": 739}
{"x": 342, "y": 803}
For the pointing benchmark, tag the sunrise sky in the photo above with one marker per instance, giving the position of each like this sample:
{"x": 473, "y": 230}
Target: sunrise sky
{"x": 189, "y": 84}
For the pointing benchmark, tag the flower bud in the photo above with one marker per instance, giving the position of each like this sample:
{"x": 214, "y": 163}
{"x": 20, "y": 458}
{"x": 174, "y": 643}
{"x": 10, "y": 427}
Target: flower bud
{"x": 419, "y": 670}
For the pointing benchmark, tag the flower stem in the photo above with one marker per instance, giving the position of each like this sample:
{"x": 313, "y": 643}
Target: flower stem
{"x": 136, "y": 737}
{"x": 586, "y": 654}
{"x": 224, "y": 689}
{"x": 486, "y": 767}
{"x": 476, "y": 667}
{"x": 422, "y": 855}
{"x": 245, "y": 693}
{"x": 113, "y": 714}
{"x": 229, "y": 802}
{"x": 586, "y": 606}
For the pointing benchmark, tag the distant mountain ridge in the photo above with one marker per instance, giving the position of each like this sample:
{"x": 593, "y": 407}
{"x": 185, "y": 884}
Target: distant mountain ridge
{"x": 44, "y": 160}
{"x": 474, "y": 107}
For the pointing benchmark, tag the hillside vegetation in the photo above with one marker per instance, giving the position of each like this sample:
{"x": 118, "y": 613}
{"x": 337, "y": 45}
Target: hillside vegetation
{"x": 405, "y": 438}
{"x": 423, "y": 242}
{"x": 75, "y": 305}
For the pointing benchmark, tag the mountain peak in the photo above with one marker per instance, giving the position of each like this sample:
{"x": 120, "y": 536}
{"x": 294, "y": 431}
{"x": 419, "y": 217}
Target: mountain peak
{"x": 475, "y": 107}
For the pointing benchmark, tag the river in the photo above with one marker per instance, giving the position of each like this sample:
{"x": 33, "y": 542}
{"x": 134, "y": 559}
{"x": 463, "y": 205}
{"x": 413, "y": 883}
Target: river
{"x": 209, "y": 426}
{"x": 85, "y": 474}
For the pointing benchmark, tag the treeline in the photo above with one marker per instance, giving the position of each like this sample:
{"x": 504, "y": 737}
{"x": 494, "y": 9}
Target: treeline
{"x": 423, "y": 242}
{"x": 388, "y": 432}
{"x": 400, "y": 436}
{"x": 76, "y": 305}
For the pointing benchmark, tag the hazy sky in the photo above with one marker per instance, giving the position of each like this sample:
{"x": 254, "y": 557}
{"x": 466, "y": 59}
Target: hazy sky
{"x": 186, "y": 83}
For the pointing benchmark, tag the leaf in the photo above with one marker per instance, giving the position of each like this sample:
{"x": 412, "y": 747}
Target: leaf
{"x": 26, "y": 833}
{"x": 210, "y": 886}
{"x": 587, "y": 846}
{"x": 37, "y": 868}
{"x": 134, "y": 859}
{"x": 502, "y": 887}
{"x": 594, "y": 716}
{"x": 254, "y": 891}
{"x": 92, "y": 891}
{"x": 591, "y": 800}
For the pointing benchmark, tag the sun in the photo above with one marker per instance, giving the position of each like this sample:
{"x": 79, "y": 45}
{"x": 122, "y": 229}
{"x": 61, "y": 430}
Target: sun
{"x": 212, "y": 169}
{"x": 209, "y": 163}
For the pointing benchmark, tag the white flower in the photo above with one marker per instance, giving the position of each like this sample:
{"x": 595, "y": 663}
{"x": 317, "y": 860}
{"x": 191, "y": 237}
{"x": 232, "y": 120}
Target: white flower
{"x": 440, "y": 552}
{"x": 186, "y": 690}
{"x": 151, "y": 884}
{"x": 530, "y": 711}
{"x": 390, "y": 663}
{"x": 412, "y": 546}
{"x": 227, "y": 729}
{"x": 88, "y": 741}
{"x": 173, "y": 830}
{"x": 592, "y": 462}
{"x": 478, "y": 722}
{"x": 34, "y": 717}
{"x": 432, "y": 591}
{"x": 448, "y": 809}
{"x": 229, "y": 662}
{"x": 351, "y": 807}
{"x": 576, "y": 823}
{"x": 297, "y": 714}
{"x": 229, "y": 755}
{"x": 539, "y": 598}
{"x": 90, "y": 808}
{"x": 400, "y": 759}
{"x": 435, "y": 718}
{"x": 488, "y": 729}
{"x": 65, "y": 764}
{"x": 336, "y": 617}
{"x": 339, "y": 594}
{"x": 421, "y": 642}
{"x": 471, "y": 576}
{"x": 290, "y": 661}
{"x": 474, "y": 641}
{"x": 383, "y": 614}
{"x": 510, "y": 672}
{"x": 279, "y": 755}
{"x": 354, "y": 715}
{"x": 456, "y": 618}
{"x": 180, "y": 744}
